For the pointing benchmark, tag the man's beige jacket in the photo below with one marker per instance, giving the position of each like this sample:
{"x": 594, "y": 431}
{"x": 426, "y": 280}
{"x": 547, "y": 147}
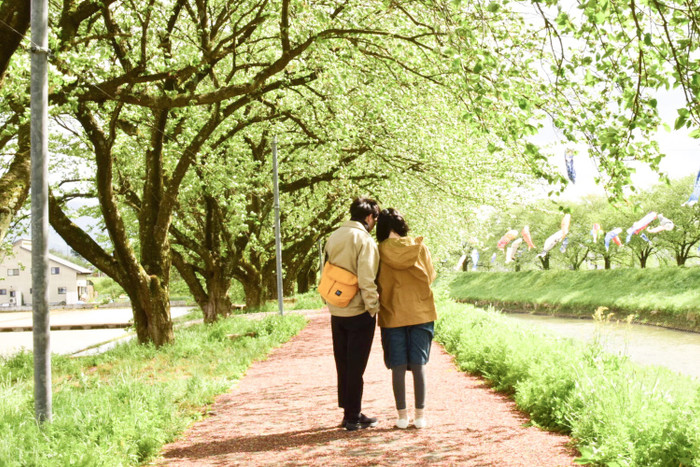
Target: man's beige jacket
{"x": 352, "y": 248}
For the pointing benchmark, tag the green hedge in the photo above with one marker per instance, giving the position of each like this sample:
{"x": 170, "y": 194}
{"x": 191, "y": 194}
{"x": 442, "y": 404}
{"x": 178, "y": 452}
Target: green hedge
{"x": 121, "y": 407}
{"x": 619, "y": 413}
{"x": 664, "y": 296}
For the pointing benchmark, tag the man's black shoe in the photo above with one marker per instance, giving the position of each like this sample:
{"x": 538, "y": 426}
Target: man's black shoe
{"x": 353, "y": 426}
{"x": 362, "y": 423}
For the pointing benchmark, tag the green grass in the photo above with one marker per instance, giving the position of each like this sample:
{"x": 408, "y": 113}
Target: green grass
{"x": 307, "y": 301}
{"x": 120, "y": 407}
{"x": 107, "y": 290}
{"x": 665, "y": 296}
{"x": 619, "y": 413}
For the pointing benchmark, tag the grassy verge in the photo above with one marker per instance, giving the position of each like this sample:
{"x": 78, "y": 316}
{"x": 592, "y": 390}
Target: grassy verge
{"x": 306, "y": 301}
{"x": 120, "y": 407}
{"x": 662, "y": 296}
{"x": 619, "y": 413}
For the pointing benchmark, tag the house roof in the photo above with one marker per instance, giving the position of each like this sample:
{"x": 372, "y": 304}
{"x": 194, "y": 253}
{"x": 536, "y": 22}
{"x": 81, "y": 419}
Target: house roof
{"x": 27, "y": 245}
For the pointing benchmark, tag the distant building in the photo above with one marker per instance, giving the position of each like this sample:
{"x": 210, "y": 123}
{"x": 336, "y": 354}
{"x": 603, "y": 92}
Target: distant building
{"x": 68, "y": 282}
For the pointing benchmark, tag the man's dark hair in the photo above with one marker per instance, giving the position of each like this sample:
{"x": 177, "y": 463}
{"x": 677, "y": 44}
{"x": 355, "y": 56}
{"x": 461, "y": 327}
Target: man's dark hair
{"x": 388, "y": 220}
{"x": 362, "y": 207}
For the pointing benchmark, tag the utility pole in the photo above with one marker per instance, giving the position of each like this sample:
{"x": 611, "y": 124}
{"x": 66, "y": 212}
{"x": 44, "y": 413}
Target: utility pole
{"x": 278, "y": 235}
{"x": 40, "y": 209}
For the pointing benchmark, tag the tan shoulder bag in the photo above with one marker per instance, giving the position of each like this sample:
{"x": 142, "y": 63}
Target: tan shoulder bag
{"x": 337, "y": 285}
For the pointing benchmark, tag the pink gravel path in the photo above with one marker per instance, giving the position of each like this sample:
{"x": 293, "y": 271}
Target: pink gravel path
{"x": 284, "y": 412}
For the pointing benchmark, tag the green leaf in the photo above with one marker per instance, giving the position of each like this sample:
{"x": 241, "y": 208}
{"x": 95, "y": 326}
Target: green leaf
{"x": 680, "y": 122}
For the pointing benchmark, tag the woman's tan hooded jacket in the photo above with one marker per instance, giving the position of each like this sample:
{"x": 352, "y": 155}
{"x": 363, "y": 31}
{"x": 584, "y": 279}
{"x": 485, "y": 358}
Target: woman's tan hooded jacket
{"x": 405, "y": 274}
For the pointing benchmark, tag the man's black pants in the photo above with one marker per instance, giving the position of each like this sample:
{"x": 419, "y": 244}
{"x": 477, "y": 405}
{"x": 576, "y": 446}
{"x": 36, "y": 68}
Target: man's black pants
{"x": 352, "y": 342}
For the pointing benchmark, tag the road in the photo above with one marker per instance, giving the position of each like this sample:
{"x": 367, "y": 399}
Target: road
{"x": 69, "y": 342}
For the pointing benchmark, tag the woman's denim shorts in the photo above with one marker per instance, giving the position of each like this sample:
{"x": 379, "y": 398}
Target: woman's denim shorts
{"x": 407, "y": 345}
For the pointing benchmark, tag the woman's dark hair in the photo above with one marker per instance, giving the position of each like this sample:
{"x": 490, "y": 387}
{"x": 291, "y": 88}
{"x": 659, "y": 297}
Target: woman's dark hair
{"x": 362, "y": 207}
{"x": 388, "y": 220}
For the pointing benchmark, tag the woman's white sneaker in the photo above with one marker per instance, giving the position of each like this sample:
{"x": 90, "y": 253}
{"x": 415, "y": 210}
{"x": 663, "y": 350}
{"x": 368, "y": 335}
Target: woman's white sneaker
{"x": 420, "y": 422}
{"x": 402, "y": 423}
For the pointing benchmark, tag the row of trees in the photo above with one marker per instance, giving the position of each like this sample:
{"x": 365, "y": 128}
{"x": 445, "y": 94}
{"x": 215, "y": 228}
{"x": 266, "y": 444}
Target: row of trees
{"x": 676, "y": 246}
{"x": 163, "y": 113}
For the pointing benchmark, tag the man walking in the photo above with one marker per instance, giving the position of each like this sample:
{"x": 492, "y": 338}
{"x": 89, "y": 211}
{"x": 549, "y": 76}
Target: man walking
{"x": 352, "y": 248}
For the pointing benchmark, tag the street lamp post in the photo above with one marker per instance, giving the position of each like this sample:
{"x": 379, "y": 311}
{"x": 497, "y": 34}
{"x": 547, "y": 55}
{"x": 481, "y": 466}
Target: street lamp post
{"x": 40, "y": 209}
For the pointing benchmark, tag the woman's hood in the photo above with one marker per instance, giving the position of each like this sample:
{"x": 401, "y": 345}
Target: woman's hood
{"x": 400, "y": 253}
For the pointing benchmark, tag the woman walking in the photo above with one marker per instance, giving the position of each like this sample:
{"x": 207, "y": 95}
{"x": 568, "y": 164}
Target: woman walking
{"x": 407, "y": 310}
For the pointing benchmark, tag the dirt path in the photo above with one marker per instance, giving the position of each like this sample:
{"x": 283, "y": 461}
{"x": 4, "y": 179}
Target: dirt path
{"x": 284, "y": 412}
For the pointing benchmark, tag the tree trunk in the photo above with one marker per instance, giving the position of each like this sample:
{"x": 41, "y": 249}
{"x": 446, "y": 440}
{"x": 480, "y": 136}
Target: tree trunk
{"x": 544, "y": 261}
{"x": 607, "y": 261}
{"x": 150, "y": 303}
{"x": 14, "y": 184}
{"x": 253, "y": 293}
{"x": 146, "y": 279}
{"x": 154, "y": 220}
{"x": 160, "y": 324}
{"x": 218, "y": 306}
{"x": 680, "y": 260}
{"x": 303, "y": 282}
{"x": 306, "y": 280}
{"x": 288, "y": 287}
{"x": 15, "y": 16}
{"x": 269, "y": 286}
{"x": 218, "y": 302}
{"x": 155, "y": 260}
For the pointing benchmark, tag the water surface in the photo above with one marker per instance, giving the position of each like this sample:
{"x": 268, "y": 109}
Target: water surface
{"x": 648, "y": 345}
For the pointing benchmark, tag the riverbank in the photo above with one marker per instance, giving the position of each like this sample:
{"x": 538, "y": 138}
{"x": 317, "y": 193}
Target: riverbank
{"x": 619, "y": 413}
{"x": 667, "y": 297}
{"x": 645, "y": 345}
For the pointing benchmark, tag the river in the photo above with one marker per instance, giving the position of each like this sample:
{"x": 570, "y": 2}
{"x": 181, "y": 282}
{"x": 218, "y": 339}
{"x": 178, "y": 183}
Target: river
{"x": 648, "y": 345}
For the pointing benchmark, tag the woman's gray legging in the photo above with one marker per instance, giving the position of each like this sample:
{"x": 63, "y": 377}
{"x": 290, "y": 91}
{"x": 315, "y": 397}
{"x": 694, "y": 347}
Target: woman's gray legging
{"x": 398, "y": 379}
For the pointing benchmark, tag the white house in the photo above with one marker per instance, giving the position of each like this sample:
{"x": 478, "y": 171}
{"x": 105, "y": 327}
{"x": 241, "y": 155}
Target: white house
{"x": 68, "y": 282}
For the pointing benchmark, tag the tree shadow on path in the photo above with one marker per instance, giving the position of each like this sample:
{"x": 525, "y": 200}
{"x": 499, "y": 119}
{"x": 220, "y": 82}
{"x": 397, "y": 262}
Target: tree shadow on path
{"x": 271, "y": 442}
